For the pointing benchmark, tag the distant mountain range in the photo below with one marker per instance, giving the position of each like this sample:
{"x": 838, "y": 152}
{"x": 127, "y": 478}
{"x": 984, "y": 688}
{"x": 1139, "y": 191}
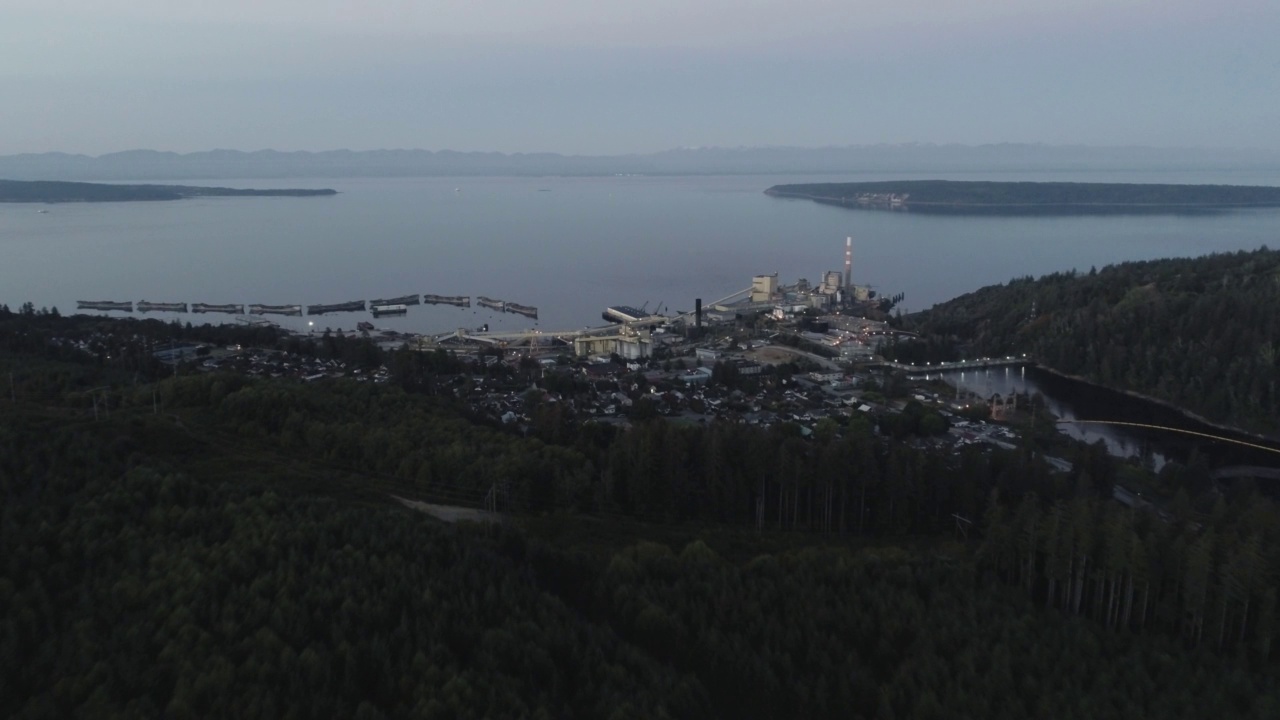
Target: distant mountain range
{"x": 910, "y": 158}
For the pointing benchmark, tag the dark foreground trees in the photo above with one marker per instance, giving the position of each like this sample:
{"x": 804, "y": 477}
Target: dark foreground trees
{"x": 129, "y": 588}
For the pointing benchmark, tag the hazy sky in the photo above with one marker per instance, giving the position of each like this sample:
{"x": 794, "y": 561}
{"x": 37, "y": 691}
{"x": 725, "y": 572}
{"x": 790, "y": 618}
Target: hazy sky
{"x": 600, "y": 76}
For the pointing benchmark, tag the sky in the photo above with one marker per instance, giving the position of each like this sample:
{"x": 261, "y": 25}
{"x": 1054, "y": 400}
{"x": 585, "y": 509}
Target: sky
{"x": 608, "y": 77}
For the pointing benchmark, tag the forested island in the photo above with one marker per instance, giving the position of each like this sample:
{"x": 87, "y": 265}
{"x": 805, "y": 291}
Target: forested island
{"x": 179, "y": 543}
{"x": 49, "y": 191}
{"x": 1010, "y": 198}
{"x": 1199, "y": 333}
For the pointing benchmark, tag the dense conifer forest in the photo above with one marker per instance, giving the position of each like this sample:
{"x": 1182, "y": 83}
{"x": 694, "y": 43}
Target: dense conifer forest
{"x": 213, "y": 545}
{"x": 1198, "y": 333}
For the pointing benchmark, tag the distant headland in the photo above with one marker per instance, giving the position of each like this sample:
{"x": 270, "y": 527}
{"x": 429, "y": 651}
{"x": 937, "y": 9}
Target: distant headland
{"x": 48, "y": 191}
{"x": 1029, "y": 198}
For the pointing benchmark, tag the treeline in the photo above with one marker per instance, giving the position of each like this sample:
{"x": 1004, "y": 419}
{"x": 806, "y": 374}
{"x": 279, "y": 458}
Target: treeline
{"x": 843, "y": 479}
{"x": 1198, "y": 333}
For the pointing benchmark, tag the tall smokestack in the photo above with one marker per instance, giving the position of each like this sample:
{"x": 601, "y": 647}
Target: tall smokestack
{"x": 848, "y": 263}
{"x": 697, "y": 312}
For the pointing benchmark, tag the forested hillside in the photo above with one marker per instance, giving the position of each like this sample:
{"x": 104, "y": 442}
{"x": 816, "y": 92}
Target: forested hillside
{"x": 217, "y": 546}
{"x": 1199, "y": 333}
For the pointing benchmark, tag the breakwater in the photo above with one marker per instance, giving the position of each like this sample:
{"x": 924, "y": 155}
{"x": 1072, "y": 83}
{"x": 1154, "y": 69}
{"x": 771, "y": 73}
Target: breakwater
{"x": 505, "y": 306}
{"x": 352, "y": 306}
{"x": 228, "y": 308}
{"x": 402, "y": 300}
{"x": 259, "y": 309}
{"x": 380, "y": 307}
{"x": 104, "y": 305}
{"x": 457, "y": 300}
{"x": 144, "y": 306}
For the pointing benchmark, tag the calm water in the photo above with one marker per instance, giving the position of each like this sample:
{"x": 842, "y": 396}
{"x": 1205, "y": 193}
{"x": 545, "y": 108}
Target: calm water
{"x": 569, "y": 246}
{"x": 1073, "y": 401}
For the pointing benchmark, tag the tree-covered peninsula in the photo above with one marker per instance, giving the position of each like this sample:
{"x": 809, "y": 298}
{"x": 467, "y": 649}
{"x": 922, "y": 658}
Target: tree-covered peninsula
{"x": 47, "y": 191}
{"x": 1019, "y": 198}
{"x": 1199, "y": 333}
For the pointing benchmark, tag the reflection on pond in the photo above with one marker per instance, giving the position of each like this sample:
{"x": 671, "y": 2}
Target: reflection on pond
{"x": 1071, "y": 400}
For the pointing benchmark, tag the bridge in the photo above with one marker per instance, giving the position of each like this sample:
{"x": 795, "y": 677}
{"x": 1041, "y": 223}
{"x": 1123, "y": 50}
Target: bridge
{"x": 976, "y": 363}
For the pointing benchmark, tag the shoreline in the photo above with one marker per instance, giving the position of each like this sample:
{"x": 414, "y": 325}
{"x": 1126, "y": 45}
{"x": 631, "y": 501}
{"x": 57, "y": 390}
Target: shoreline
{"x": 1184, "y": 412}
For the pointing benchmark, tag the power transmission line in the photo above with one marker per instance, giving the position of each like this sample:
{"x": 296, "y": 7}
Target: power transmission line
{"x": 1171, "y": 429}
